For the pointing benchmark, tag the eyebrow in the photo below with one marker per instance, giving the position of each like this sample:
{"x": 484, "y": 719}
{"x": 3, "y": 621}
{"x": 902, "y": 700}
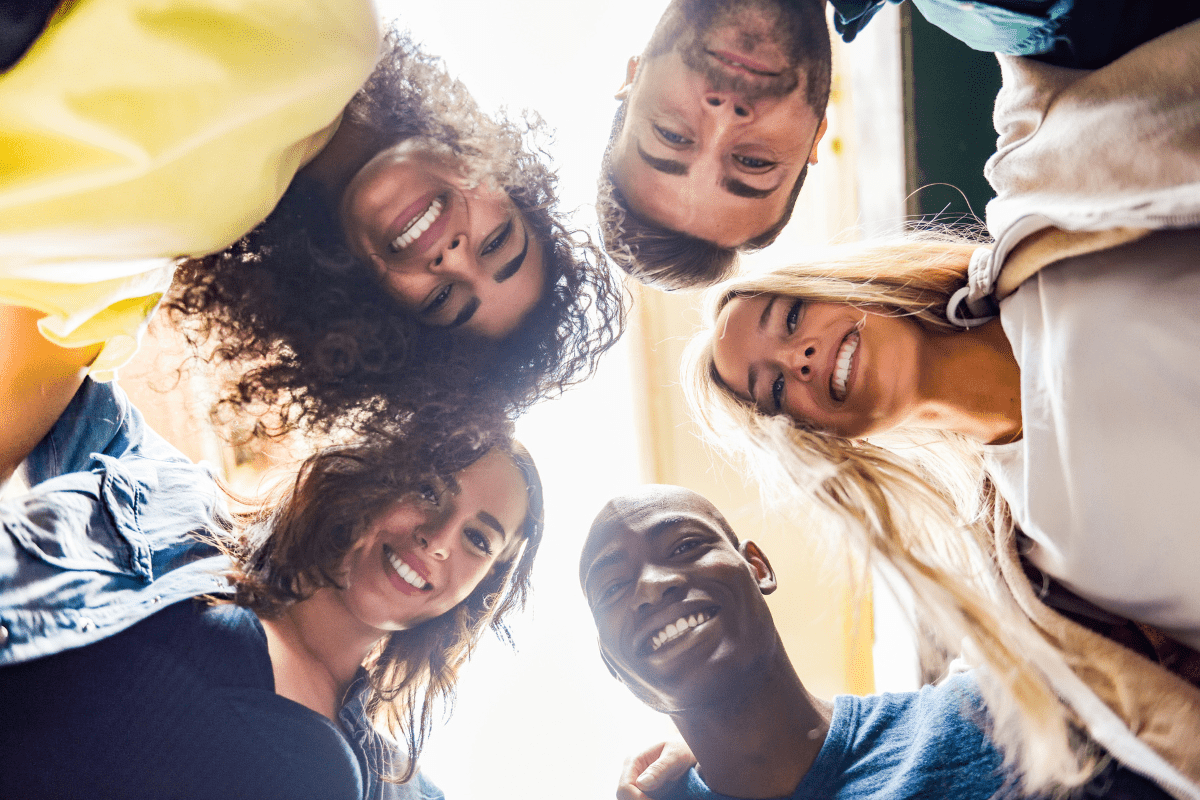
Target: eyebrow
{"x": 666, "y": 165}
{"x": 511, "y": 268}
{"x": 732, "y": 185}
{"x": 493, "y": 523}
{"x": 464, "y": 316}
{"x": 613, "y": 556}
{"x": 763, "y": 319}
{"x": 739, "y": 189}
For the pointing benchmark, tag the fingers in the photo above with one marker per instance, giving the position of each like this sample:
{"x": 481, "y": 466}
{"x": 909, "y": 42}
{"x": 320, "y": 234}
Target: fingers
{"x": 653, "y": 769}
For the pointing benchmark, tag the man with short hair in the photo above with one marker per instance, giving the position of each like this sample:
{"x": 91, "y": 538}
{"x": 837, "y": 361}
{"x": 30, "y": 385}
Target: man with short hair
{"x": 721, "y": 115}
{"x": 720, "y": 118}
{"x": 680, "y": 610}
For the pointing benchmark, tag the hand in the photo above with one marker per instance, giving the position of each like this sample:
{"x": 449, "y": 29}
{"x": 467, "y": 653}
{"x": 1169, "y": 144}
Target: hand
{"x": 653, "y": 769}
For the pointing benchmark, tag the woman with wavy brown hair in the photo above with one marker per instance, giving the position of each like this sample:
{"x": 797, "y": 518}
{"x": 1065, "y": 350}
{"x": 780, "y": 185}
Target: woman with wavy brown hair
{"x": 156, "y": 646}
{"x": 416, "y": 244}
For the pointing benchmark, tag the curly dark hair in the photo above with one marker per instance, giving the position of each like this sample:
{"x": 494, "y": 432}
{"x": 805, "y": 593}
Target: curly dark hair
{"x": 667, "y": 259}
{"x": 320, "y": 339}
{"x": 285, "y": 553}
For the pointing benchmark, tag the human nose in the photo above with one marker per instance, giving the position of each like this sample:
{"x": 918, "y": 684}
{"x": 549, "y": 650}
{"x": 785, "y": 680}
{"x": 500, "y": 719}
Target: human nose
{"x": 654, "y": 583}
{"x": 454, "y": 259}
{"x": 435, "y": 540}
{"x": 728, "y": 104}
{"x": 801, "y": 360}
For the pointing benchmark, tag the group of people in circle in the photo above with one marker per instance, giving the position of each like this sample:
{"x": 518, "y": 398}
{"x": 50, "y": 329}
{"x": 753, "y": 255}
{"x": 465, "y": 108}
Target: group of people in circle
{"x": 1004, "y": 425}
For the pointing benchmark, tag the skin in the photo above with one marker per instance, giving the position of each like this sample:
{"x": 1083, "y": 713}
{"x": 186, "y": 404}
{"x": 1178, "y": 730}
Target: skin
{"x": 40, "y": 378}
{"x": 700, "y": 136}
{"x": 454, "y": 537}
{"x": 440, "y": 278}
{"x": 479, "y": 267}
{"x": 780, "y": 354}
{"x": 662, "y": 553}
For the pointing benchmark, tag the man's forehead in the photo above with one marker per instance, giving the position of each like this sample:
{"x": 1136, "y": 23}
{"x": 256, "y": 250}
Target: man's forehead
{"x": 646, "y": 510}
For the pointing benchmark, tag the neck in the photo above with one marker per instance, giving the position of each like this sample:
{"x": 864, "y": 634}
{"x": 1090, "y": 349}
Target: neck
{"x": 971, "y": 384}
{"x": 351, "y": 146}
{"x": 314, "y": 653}
{"x": 761, "y": 742}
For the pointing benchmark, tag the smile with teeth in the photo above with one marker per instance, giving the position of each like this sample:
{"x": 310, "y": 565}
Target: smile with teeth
{"x": 414, "y": 229}
{"x": 841, "y": 369}
{"x": 406, "y": 573}
{"x": 675, "y": 629}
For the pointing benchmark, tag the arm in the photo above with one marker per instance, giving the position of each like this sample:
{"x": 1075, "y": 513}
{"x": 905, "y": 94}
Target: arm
{"x": 851, "y": 16}
{"x": 37, "y": 381}
{"x": 653, "y": 770}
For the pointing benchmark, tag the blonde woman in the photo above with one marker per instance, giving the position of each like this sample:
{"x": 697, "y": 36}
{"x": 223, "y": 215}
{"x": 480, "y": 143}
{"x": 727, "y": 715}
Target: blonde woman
{"x": 980, "y": 417}
{"x": 1067, "y": 424}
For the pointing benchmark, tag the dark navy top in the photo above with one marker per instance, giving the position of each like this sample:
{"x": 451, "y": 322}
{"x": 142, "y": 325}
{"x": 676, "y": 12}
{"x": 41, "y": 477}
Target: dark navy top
{"x": 102, "y": 543}
{"x": 180, "y": 705}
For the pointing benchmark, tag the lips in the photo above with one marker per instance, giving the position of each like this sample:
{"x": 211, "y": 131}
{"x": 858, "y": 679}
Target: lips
{"x": 421, "y": 224}
{"x": 406, "y": 576}
{"x": 743, "y": 64}
{"x": 674, "y": 626}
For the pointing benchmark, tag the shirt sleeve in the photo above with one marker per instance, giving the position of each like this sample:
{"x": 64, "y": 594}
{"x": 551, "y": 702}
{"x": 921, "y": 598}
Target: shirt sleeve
{"x": 850, "y": 16}
{"x": 99, "y": 421}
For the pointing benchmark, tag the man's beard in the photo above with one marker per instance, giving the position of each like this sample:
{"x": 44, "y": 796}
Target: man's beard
{"x": 687, "y": 24}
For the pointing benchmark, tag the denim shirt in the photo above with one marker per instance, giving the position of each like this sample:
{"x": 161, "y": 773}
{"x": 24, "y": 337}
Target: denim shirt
{"x": 105, "y": 538}
{"x": 977, "y": 23}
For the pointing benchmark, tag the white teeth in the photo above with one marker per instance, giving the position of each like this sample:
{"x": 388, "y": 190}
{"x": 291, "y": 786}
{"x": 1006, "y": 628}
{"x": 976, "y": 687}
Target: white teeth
{"x": 674, "y": 629}
{"x": 841, "y": 372}
{"x": 418, "y": 226}
{"x": 406, "y": 572}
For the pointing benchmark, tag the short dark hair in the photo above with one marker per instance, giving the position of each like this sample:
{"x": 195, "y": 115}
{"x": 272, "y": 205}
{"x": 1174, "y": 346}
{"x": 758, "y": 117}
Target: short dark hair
{"x": 667, "y": 259}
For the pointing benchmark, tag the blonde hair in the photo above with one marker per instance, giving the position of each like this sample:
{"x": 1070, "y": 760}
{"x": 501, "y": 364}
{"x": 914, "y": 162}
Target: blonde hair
{"x": 921, "y": 505}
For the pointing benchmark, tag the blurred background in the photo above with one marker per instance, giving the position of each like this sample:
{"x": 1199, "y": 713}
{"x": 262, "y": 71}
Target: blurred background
{"x": 902, "y": 142}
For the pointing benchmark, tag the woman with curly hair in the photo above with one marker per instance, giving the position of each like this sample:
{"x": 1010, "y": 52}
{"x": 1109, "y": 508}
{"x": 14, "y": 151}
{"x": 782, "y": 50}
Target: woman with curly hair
{"x": 156, "y": 648}
{"x": 1054, "y": 439}
{"x": 409, "y": 240}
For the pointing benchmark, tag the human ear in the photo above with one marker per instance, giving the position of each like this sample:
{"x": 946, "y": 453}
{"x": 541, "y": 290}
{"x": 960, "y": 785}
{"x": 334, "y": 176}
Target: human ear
{"x": 757, "y": 560}
{"x": 812, "y": 156}
{"x": 630, "y": 73}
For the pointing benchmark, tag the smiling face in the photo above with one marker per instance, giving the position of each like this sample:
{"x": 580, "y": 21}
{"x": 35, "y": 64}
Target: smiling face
{"x": 679, "y": 610}
{"x": 718, "y": 122}
{"x": 838, "y": 368}
{"x": 454, "y": 254}
{"x": 420, "y": 558}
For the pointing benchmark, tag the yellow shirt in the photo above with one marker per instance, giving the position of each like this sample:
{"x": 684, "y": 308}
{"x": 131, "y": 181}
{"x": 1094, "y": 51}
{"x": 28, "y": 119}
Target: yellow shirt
{"x": 135, "y": 132}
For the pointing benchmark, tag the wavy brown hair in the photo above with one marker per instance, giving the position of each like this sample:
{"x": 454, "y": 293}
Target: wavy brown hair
{"x": 317, "y": 335}
{"x": 285, "y": 553}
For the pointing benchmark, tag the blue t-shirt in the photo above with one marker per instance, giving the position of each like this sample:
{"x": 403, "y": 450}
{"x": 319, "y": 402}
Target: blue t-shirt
{"x": 911, "y": 745}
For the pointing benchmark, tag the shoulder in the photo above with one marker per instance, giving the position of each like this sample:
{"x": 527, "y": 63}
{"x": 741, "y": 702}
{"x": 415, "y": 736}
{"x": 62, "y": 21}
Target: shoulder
{"x": 264, "y": 742}
{"x": 913, "y": 743}
{"x": 288, "y": 751}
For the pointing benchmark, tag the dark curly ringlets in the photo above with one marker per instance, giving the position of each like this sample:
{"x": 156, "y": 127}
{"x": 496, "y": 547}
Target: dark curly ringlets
{"x": 322, "y": 340}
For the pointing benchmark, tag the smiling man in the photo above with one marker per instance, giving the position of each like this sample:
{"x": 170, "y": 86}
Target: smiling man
{"x": 721, "y": 115}
{"x": 680, "y": 610}
{"x": 720, "y": 118}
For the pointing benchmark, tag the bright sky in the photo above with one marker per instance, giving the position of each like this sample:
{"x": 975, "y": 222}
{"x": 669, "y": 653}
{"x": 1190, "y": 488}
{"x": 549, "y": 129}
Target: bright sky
{"x": 549, "y": 721}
